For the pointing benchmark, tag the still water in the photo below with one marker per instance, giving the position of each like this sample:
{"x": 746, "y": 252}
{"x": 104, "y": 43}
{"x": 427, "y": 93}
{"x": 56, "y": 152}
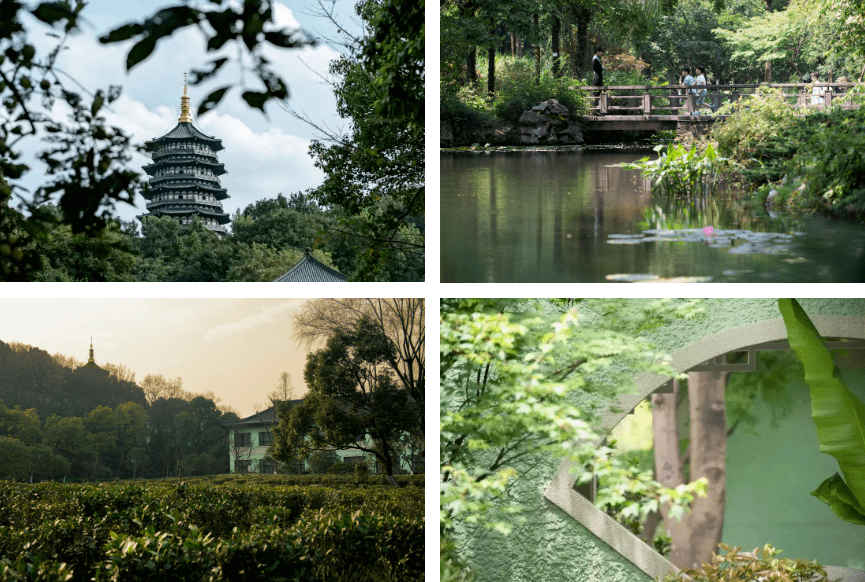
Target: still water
{"x": 546, "y": 216}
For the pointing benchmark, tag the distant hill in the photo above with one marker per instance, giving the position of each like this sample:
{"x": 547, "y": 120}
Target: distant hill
{"x": 31, "y": 378}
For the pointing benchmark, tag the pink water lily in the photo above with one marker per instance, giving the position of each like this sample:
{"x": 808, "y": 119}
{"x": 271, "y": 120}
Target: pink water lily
{"x": 709, "y": 231}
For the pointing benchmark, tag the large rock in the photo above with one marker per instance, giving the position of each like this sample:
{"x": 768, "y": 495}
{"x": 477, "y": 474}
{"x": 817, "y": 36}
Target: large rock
{"x": 552, "y": 107}
{"x": 549, "y": 123}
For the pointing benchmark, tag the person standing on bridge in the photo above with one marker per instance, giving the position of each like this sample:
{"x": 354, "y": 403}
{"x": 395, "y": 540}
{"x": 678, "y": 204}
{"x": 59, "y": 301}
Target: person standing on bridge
{"x": 816, "y": 91}
{"x": 598, "y": 68}
{"x": 701, "y": 93}
{"x": 687, "y": 80}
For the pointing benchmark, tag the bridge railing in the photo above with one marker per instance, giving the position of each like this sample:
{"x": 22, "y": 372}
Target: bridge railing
{"x": 645, "y": 100}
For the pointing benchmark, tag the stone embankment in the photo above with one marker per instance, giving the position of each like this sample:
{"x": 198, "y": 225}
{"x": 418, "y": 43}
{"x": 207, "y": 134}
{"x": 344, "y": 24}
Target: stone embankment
{"x": 548, "y": 123}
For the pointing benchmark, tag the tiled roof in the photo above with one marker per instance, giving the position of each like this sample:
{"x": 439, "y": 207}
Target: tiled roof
{"x": 267, "y": 416}
{"x": 186, "y": 131}
{"x": 308, "y": 269}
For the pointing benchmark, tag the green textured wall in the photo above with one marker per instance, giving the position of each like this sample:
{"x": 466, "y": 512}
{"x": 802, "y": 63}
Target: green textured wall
{"x": 549, "y": 545}
{"x": 770, "y": 475}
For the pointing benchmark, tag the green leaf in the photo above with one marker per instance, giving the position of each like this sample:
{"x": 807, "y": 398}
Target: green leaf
{"x": 98, "y": 101}
{"x": 255, "y": 99}
{"x": 199, "y": 75}
{"x": 282, "y": 40}
{"x": 837, "y": 412}
{"x": 51, "y": 12}
{"x": 835, "y": 493}
{"x": 125, "y": 32}
{"x": 212, "y": 100}
{"x": 140, "y": 51}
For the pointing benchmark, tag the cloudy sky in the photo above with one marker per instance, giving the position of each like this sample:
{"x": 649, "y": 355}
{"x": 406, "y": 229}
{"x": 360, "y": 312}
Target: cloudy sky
{"x": 238, "y": 348}
{"x": 263, "y": 156}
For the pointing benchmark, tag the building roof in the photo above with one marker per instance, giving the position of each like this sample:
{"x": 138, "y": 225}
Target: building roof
{"x": 267, "y": 416}
{"x": 308, "y": 269}
{"x": 185, "y": 130}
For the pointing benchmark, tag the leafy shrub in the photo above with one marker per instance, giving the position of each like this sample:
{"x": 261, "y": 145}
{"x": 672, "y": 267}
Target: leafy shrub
{"x": 679, "y": 171}
{"x": 340, "y": 469}
{"x": 814, "y": 158}
{"x": 145, "y": 527}
{"x": 463, "y": 119}
{"x": 738, "y": 566}
{"x": 512, "y": 99}
{"x": 751, "y": 132}
{"x": 830, "y": 163}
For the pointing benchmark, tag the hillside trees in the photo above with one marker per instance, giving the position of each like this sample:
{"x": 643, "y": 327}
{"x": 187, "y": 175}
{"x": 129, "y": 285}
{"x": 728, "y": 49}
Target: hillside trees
{"x": 94, "y": 423}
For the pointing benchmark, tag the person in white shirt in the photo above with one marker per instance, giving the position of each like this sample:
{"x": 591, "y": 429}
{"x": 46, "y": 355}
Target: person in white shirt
{"x": 816, "y": 92}
{"x": 701, "y": 93}
{"x": 686, "y": 79}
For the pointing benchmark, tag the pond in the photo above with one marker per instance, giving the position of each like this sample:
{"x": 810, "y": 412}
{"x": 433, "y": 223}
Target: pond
{"x": 576, "y": 216}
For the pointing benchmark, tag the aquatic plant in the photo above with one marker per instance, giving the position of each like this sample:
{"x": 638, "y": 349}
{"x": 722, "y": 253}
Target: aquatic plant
{"x": 679, "y": 171}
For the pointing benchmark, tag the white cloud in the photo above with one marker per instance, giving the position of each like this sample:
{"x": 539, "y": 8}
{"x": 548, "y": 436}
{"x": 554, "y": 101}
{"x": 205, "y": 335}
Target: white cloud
{"x": 283, "y": 17}
{"x": 264, "y": 316}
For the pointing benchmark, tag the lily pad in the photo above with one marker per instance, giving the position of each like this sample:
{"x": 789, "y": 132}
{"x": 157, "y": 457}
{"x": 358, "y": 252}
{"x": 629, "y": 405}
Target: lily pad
{"x": 630, "y": 278}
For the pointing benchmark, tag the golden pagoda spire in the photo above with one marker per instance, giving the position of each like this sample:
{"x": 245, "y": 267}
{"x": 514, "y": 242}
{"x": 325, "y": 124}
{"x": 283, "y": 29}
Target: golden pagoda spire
{"x": 185, "y": 115}
{"x": 91, "y": 352}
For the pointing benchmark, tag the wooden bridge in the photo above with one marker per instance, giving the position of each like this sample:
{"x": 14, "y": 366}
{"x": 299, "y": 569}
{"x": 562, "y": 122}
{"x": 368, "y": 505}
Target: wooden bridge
{"x": 666, "y": 107}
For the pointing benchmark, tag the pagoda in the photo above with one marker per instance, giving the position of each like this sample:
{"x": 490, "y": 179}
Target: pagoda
{"x": 91, "y": 363}
{"x": 184, "y": 175}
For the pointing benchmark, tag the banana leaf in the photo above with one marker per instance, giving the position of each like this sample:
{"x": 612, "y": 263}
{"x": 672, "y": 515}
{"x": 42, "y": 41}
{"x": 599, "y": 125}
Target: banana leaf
{"x": 837, "y": 412}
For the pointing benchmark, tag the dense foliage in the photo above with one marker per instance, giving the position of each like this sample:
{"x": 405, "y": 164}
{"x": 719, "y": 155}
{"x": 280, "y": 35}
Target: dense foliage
{"x": 813, "y": 161}
{"x": 351, "y": 393}
{"x": 269, "y": 237}
{"x": 200, "y": 531}
{"x": 511, "y": 370}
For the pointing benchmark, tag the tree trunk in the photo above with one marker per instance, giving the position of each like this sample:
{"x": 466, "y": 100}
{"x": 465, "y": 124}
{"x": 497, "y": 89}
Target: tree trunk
{"x": 557, "y": 27}
{"x": 669, "y": 467}
{"x": 582, "y": 60}
{"x": 537, "y": 51}
{"x": 472, "y": 65}
{"x": 768, "y": 72}
{"x": 491, "y": 70}
{"x": 709, "y": 460}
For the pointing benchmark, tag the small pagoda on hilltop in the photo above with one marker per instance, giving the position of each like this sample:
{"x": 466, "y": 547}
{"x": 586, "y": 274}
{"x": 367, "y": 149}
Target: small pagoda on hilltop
{"x": 91, "y": 363}
{"x": 184, "y": 175}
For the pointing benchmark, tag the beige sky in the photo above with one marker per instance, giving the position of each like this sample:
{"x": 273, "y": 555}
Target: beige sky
{"x": 238, "y": 348}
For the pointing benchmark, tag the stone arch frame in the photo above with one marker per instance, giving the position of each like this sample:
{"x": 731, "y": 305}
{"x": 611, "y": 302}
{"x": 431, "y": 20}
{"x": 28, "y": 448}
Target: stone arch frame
{"x": 561, "y": 493}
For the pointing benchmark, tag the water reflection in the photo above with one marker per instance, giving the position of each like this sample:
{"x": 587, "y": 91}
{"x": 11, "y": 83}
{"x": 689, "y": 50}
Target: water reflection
{"x": 550, "y": 217}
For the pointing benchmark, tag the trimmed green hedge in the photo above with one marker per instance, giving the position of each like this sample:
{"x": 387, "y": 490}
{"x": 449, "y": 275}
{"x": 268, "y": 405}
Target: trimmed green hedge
{"x": 197, "y": 531}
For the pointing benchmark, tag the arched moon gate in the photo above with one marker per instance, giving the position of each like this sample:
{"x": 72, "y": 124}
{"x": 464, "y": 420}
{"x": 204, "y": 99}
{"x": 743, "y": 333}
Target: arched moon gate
{"x": 561, "y": 490}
